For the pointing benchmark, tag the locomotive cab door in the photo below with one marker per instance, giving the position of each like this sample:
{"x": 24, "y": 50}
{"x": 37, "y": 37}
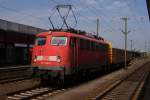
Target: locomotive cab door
{"x": 74, "y": 49}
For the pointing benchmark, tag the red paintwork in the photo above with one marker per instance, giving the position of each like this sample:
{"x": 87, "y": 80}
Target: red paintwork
{"x": 84, "y": 58}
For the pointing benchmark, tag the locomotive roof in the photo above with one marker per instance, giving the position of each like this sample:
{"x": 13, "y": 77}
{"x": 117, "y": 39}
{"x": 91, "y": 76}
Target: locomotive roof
{"x": 64, "y": 33}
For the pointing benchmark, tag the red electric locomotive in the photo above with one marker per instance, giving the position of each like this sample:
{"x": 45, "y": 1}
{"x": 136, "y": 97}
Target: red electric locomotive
{"x": 59, "y": 54}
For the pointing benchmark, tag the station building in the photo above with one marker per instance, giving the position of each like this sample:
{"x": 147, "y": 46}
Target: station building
{"x": 16, "y": 42}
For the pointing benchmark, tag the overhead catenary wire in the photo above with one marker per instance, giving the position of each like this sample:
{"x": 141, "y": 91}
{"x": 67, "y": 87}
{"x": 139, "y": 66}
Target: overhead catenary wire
{"x": 84, "y": 16}
{"x": 138, "y": 21}
{"x": 91, "y": 7}
{"x": 92, "y": 10}
{"x": 134, "y": 15}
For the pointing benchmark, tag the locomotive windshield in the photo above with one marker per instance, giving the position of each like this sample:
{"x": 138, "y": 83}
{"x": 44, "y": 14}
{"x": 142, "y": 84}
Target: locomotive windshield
{"x": 59, "y": 41}
{"x": 40, "y": 41}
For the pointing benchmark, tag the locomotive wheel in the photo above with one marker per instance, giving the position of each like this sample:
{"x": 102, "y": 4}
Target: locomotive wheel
{"x": 60, "y": 83}
{"x": 61, "y": 79}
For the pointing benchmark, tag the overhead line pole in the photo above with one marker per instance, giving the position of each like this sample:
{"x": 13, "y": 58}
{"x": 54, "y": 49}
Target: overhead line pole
{"x": 145, "y": 46}
{"x": 125, "y": 32}
{"x": 97, "y": 33}
{"x": 131, "y": 49}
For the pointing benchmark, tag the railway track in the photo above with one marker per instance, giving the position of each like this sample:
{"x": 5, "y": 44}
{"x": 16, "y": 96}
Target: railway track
{"x": 10, "y": 74}
{"x": 127, "y": 88}
{"x": 123, "y": 89}
{"x": 39, "y": 93}
{"x": 18, "y": 74}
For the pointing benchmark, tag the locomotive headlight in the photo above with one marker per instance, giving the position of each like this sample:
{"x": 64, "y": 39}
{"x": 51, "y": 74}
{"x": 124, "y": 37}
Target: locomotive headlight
{"x": 54, "y": 58}
{"x": 34, "y": 60}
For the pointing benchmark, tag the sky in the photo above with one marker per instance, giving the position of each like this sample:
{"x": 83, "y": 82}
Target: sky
{"x": 36, "y": 13}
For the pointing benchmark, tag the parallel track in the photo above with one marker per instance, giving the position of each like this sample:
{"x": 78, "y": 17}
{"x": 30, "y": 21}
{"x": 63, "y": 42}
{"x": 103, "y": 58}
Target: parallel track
{"x": 126, "y": 88}
{"x": 35, "y": 94}
{"x": 10, "y": 74}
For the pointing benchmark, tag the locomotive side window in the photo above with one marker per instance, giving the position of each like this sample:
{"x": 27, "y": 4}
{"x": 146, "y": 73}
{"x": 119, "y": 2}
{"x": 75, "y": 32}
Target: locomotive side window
{"x": 40, "y": 41}
{"x": 85, "y": 44}
{"x": 88, "y": 45}
{"x": 92, "y": 45}
{"x": 71, "y": 42}
{"x": 59, "y": 41}
{"x": 81, "y": 44}
{"x": 97, "y": 46}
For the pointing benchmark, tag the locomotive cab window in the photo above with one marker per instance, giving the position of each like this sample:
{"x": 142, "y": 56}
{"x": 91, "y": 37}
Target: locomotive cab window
{"x": 59, "y": 41}
{"x": 40, "y": 41}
